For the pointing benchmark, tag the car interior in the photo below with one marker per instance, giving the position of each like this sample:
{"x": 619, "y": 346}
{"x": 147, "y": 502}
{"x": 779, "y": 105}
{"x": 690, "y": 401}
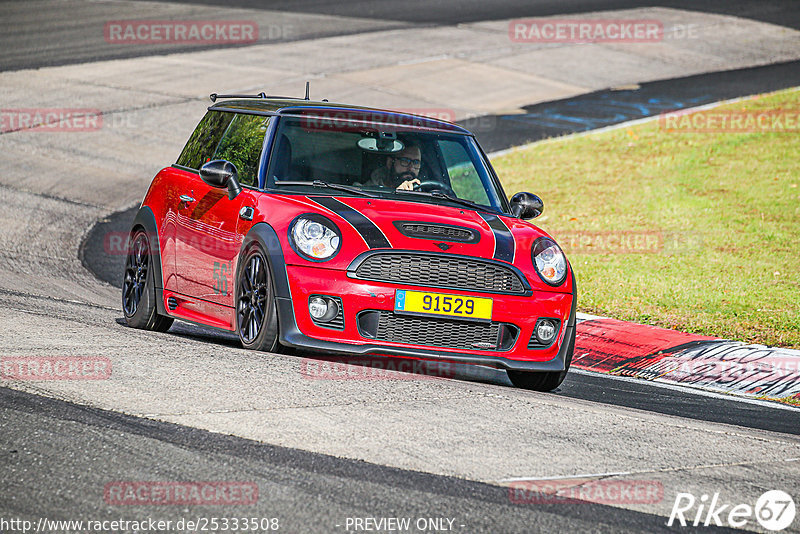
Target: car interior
{"x": 303, "y": 154}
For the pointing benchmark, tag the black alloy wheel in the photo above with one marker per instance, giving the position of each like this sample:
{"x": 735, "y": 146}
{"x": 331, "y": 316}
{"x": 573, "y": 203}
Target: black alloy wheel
{"x": 136, "y": 269}
{"x": 256, "y": 315}
{"x": 138, "y": 287}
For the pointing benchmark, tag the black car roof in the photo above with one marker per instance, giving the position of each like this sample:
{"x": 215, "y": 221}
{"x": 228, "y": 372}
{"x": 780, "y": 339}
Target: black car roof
{"x": 334, "y": 111}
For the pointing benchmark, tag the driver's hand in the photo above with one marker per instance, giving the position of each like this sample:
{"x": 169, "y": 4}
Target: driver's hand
{"x": 408, "y": 185}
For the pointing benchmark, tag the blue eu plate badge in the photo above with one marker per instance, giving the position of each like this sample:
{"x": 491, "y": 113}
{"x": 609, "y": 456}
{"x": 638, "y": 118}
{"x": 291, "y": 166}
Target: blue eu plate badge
{"x": 400, "y": 299}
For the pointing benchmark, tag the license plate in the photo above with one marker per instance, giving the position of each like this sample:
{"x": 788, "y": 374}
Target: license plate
{"x": 422, "y": 302}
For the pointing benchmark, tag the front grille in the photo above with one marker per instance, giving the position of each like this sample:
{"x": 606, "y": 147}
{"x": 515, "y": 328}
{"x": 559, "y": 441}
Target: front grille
{"x": 451, "y": 272}
{"x": 435, "y": 332}
{"x": 441, "y": 232}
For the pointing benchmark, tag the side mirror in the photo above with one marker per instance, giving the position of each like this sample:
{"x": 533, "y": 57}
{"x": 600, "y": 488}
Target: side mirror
{"x": 222, "y": 174}
{"x": 526, "y": 206}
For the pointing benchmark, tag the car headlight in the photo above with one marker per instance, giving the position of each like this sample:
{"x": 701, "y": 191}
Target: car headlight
{"x": 549, "y": 261}
{"x": 315, "y": 237}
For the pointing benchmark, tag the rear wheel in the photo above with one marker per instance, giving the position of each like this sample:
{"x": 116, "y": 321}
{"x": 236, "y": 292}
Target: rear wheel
{"x": 547, "y": 381}
{"x": 139, "y": 288}
{"x": 256, "y": 313}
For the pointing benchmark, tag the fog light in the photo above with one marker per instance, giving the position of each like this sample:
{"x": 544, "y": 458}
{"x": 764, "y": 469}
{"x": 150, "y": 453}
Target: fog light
{"x": 324, "y": 310}
{"x": 545, "y": 331}
{"x": 318, "y": 307}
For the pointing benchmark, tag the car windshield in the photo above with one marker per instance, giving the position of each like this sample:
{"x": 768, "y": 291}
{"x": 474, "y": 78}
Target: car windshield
{"x": 381, "y": 160}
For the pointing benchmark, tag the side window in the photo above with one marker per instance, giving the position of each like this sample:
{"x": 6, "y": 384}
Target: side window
{"x": 464, "y": 177}
{"x": 241, "y": 145}
{"x": 201, "y": 145}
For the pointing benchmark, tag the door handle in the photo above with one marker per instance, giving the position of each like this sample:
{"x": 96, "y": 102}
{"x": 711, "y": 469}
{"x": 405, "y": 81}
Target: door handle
{"x": 186, "y": 198}
{"x": 246, "y": 213}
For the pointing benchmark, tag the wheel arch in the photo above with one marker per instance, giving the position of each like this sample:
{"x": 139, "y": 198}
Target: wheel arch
{"x": 146, "y": 220}
{"x": 263, "y": 235}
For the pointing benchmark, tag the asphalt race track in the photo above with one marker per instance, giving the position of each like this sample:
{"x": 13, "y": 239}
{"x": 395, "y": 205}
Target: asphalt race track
{"x": 62, "y": 33}
{"x": 312, "y": 492}
{"x": 613, "y": 106}
{"x": 189, "y": 405}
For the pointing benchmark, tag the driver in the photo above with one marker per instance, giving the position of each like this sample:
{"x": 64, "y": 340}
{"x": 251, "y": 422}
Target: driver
{"x": 401, "y": 170}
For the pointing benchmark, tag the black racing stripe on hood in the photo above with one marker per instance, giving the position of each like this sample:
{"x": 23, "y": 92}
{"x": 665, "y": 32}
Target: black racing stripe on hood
{"x": 368, "y": 229}
{"x": 504, "y": 245}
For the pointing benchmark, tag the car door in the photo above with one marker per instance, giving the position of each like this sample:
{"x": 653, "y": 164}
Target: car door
{"x": 208, "y": 236}
{"x": 199, "y": 149}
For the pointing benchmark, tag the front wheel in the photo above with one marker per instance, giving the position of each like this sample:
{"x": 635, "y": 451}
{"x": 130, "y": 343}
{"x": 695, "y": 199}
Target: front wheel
{"x": 547, "y": 381}
{"x": 256, "y": 313}
{"x": 139, "y": 288}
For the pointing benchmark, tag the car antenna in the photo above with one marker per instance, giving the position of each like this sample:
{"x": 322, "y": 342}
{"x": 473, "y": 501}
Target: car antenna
{"x": 308, "y": 84}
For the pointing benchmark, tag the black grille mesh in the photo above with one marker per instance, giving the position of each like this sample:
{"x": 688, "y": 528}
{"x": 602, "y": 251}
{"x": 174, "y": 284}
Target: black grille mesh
{"x": 434, "y": 231}
{"x": 440, "y": 271}
{"x": 338, "y": 321}
{"x": 436, "y": 332}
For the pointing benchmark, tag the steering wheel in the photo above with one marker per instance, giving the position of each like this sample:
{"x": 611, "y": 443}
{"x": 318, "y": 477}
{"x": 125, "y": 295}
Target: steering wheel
{"x": 429, "y": 186}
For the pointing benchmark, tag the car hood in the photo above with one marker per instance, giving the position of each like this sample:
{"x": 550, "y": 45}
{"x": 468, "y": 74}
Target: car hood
{"x": 376, "y": 223}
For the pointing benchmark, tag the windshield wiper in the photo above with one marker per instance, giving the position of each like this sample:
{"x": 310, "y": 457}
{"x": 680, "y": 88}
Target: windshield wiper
{"x": 463, "y": 202}
{"x": 337, "y": 187}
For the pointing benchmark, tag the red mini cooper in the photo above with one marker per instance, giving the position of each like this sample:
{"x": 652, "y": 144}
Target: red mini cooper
{"x": 349, "y": 230}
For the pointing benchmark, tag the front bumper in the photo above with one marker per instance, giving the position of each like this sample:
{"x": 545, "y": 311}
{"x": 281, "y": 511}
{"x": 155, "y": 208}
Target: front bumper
{"x": 298, "y": 330}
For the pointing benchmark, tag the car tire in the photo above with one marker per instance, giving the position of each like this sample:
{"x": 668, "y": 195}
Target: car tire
{"x": 547, "y": 381}
{"x": 139, "y": 288}
{"x": 256, "y": 312}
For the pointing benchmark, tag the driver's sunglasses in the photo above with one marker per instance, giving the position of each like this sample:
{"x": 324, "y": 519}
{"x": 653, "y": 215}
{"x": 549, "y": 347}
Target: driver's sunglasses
{"x": 407, "y": 162}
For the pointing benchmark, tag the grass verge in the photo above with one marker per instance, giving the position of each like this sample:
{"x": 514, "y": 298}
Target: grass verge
{"x": 698, "y": 232}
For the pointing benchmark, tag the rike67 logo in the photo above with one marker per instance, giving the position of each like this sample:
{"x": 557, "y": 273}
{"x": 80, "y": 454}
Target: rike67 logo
{"x": 774, "y": 510}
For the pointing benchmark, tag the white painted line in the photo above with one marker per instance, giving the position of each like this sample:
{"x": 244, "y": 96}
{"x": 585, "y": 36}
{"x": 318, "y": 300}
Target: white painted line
{"x": 568, "y": 477}
{"x": 587, "y": 317}
{"x": 428, "y": 59}
{"x": 690, "y": 388}
{"x": 640, "y": 472}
